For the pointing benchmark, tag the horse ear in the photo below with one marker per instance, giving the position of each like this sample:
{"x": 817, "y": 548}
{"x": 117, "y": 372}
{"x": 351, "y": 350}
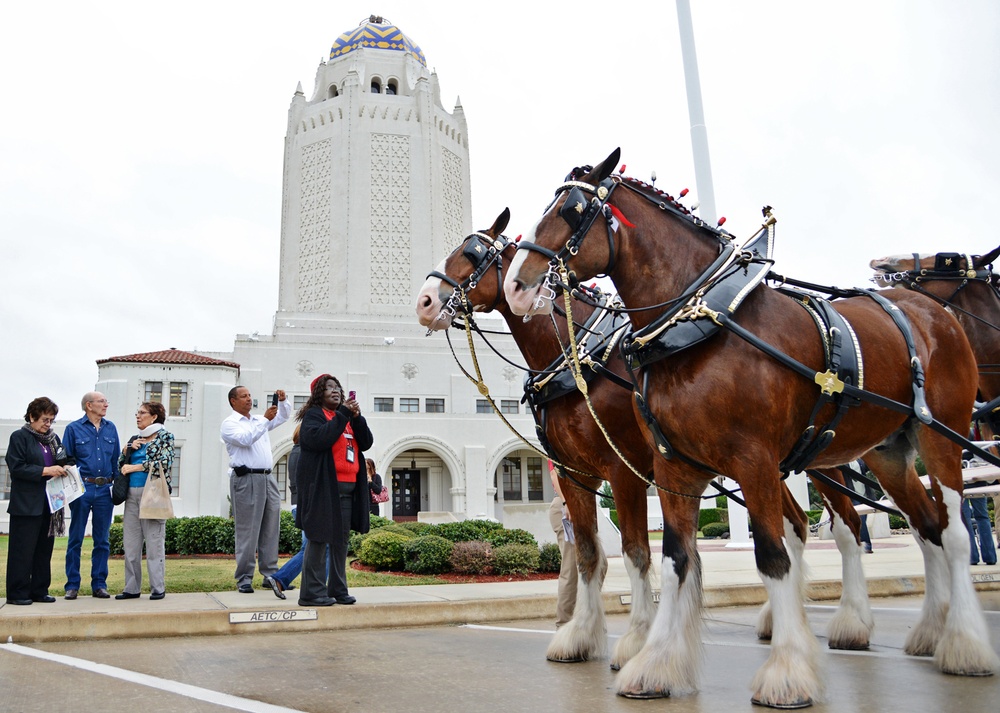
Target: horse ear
{"x": 982, "y": 260}
{"x": 500, "y": 224}
{"x": 607, "y": 166}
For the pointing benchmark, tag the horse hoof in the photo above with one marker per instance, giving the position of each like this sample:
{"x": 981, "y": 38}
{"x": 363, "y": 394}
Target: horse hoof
{"x": 578, "y": 659}
{"x": 850, "y": 647}
{"x": 971, "y": 674}
{"x": 794, "y": 705}
{"x": 645, "y": 695}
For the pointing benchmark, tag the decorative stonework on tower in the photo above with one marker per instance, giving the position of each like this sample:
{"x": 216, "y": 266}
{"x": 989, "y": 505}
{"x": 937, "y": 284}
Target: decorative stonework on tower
{"x": 376, "y": 184}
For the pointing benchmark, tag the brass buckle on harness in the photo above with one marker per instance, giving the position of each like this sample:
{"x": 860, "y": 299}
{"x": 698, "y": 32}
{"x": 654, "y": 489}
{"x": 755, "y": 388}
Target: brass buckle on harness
{"x": 829, "y": 383}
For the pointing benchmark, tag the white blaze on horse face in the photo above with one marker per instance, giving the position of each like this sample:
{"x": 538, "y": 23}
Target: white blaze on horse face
{"x": 524, "y": 301}
{"x": 429, "y": 302}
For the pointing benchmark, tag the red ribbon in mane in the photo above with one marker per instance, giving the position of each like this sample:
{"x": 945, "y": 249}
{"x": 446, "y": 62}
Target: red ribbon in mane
{"x": 620, "y": 216}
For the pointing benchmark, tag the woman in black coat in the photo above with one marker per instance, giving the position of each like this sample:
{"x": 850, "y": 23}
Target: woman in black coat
{"x": 31, "y": 461}
{"x": 332, "y": 488}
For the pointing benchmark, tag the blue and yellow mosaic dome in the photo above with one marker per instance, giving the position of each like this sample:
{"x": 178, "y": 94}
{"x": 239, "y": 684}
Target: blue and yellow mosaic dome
{"x": 378, "y": 33}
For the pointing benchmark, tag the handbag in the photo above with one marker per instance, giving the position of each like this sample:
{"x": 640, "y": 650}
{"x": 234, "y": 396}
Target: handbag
{"x": 119, "y": 489}
{"x": 380, "y": 497}
{"x": 155, "y": 503}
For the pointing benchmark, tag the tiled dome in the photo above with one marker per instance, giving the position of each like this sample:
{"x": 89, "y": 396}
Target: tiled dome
{"x": 379, "y": 33}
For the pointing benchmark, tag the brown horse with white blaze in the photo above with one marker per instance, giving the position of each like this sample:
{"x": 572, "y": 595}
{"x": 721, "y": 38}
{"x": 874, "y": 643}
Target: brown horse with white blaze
{"x": 573, "y": 435}
{"x": 725, "y": 404}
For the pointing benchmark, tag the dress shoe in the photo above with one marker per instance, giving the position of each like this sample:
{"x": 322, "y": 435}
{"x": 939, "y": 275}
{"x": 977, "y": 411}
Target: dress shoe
{"x": 45, "y": 599}
{"x": 102, "y": 594}
{"x": 127, "y": 595}
{"x": 324, "y": 602}
{"x": 346, "y": 600}
{"x": 26, "y": 602}
{"x": 71, "y": 594}
{"x": 275, "y": 585}
{"x": 245, "y": 589}
{"x": 157, "y": 595}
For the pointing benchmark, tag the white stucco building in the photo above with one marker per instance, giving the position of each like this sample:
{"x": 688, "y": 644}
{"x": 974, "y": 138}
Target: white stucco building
{"x": 376, "y": 192}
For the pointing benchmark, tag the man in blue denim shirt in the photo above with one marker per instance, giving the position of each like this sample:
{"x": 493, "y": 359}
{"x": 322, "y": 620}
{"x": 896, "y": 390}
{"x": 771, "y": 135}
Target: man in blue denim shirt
{"x": 93, "y": 442}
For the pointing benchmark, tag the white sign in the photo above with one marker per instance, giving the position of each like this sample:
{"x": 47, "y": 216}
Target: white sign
{"x": 272, "y": 615}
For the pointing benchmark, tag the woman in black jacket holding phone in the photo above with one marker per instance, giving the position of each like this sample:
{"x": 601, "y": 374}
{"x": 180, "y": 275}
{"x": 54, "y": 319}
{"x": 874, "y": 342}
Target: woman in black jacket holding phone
{"x": 333, "y": 496}
{"x": 31, "y": 458}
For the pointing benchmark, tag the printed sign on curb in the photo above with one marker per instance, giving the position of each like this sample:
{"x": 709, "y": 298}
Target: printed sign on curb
{"x": 271, "y": 616}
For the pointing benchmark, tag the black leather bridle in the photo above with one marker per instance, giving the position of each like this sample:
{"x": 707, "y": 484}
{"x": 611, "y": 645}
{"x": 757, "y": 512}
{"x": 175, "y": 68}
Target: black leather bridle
{"x": 484, "y": 252}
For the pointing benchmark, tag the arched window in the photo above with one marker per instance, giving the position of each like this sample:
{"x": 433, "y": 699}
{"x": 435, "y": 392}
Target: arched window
{"x": 376, "y": 86}
{"x": 332, "y": 92}
{"x": 390, "y": 87}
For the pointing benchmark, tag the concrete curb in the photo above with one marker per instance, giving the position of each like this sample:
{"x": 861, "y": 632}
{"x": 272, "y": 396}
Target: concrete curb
{"x": 95, "y": 626}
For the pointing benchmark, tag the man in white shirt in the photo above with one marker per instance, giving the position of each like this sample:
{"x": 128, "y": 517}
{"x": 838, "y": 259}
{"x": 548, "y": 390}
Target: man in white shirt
{"x": 253, "y": 490}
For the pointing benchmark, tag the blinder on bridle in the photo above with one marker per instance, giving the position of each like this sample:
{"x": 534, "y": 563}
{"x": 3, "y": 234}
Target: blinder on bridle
{"x": 483, "y": 252}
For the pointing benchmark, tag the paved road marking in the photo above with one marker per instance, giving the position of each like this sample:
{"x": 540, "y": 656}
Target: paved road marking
{"x": 182, "y": 689}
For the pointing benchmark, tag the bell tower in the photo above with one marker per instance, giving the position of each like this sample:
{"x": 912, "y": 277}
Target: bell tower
{"x": 376, "y": 184}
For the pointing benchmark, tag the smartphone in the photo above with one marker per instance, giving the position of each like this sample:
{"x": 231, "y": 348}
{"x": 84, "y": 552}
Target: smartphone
{"x": 274, "y": 399}
{"x": 352, "y": 395}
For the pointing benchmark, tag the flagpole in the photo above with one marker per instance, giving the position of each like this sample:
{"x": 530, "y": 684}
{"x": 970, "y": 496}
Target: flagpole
{"x": 699, "y": 132}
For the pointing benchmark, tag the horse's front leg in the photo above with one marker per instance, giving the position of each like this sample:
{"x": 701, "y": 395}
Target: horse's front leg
{"x": 630, "y": 500}
{"x": 670, "y": 661}
{"x": 585, "y": 636}
{"x": 796, "y": 522}
{"x": 790, "y": 677}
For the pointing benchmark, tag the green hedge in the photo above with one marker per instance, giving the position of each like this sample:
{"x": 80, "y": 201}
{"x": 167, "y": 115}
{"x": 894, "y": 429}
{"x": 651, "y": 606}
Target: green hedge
{"x": 384, "y": 550}
{"x": 515, "y": 559}
{"x": 550, "y": 558}
{"x": 428, "y": 554}
{"x": 709, "y": 515}
{"x": 715, "y": 529}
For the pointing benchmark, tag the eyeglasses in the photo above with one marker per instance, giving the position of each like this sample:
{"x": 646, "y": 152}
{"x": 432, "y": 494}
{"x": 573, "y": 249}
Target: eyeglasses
{"x": 143, "y": 413}
{"x": 48, "y": 421}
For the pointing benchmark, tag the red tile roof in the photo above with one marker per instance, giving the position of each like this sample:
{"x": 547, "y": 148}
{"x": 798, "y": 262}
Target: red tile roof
{"x": 170, "y": 356}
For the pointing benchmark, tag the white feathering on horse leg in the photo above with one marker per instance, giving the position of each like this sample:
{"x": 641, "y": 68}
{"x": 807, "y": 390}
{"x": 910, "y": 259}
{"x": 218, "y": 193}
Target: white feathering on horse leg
{"x": 791, "y": 674}
{"x": 585, "y": 636}
{"x": 923, "y": 638}
{"x": 670, "y": 662}
{"x": 852, "y": 625}
{"x": 964, "y": 648}
{"x": 640, "y": 619}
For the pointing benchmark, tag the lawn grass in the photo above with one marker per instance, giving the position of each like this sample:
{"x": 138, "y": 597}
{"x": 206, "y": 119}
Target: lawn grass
{"x": 184, "y": 574}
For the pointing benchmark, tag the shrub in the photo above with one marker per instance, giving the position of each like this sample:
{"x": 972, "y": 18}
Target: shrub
{"x": 384, "y": 550}
{"x": 550, "y": 558}
{"x": 354, "y": 542}
{"x": 898, "y": 522}
{"x": 814, "y": 516}
{"x": 170, "y": 536}
{"x": 720, "y": 502}
{"x": 379, "y": 521}
{"x": 471, "y": 557}
{"x": 400, "y": 529}
{"x": 289, "y": 536}
{"x": 207, "y": 534}
{"x": 708, "y": 515}
{"x": 116, "y": 538}
{"x": 428, "y": 554}
{"x": 515, "y": 559}
{"x": 418, "y": 528}
{"x": 715, "y": 529}
{"x": 516, "y": 536}
{"x": 466, "y": 530}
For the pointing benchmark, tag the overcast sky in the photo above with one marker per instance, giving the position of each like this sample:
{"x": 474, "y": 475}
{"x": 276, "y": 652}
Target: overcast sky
{"x": 141, "y": 144}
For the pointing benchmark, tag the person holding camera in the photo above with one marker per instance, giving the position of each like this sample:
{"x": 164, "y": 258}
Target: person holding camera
{"x": 253, "y": 490}
{"x": 333, "y": 494}
{"x": 31, "y": 460}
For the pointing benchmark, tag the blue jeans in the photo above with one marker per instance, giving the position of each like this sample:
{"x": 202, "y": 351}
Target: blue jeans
{"x": 974, "y": 510}
{"x": 95, "y": 503}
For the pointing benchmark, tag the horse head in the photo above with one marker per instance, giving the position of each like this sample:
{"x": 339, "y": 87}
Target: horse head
{"x": 909, "y": 269}
{"x": 580, "y": 205}
{"x": 469, "y": 279}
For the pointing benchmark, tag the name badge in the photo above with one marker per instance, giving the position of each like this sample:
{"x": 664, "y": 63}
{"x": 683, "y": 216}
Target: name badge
{"x": 350, "y": 447}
